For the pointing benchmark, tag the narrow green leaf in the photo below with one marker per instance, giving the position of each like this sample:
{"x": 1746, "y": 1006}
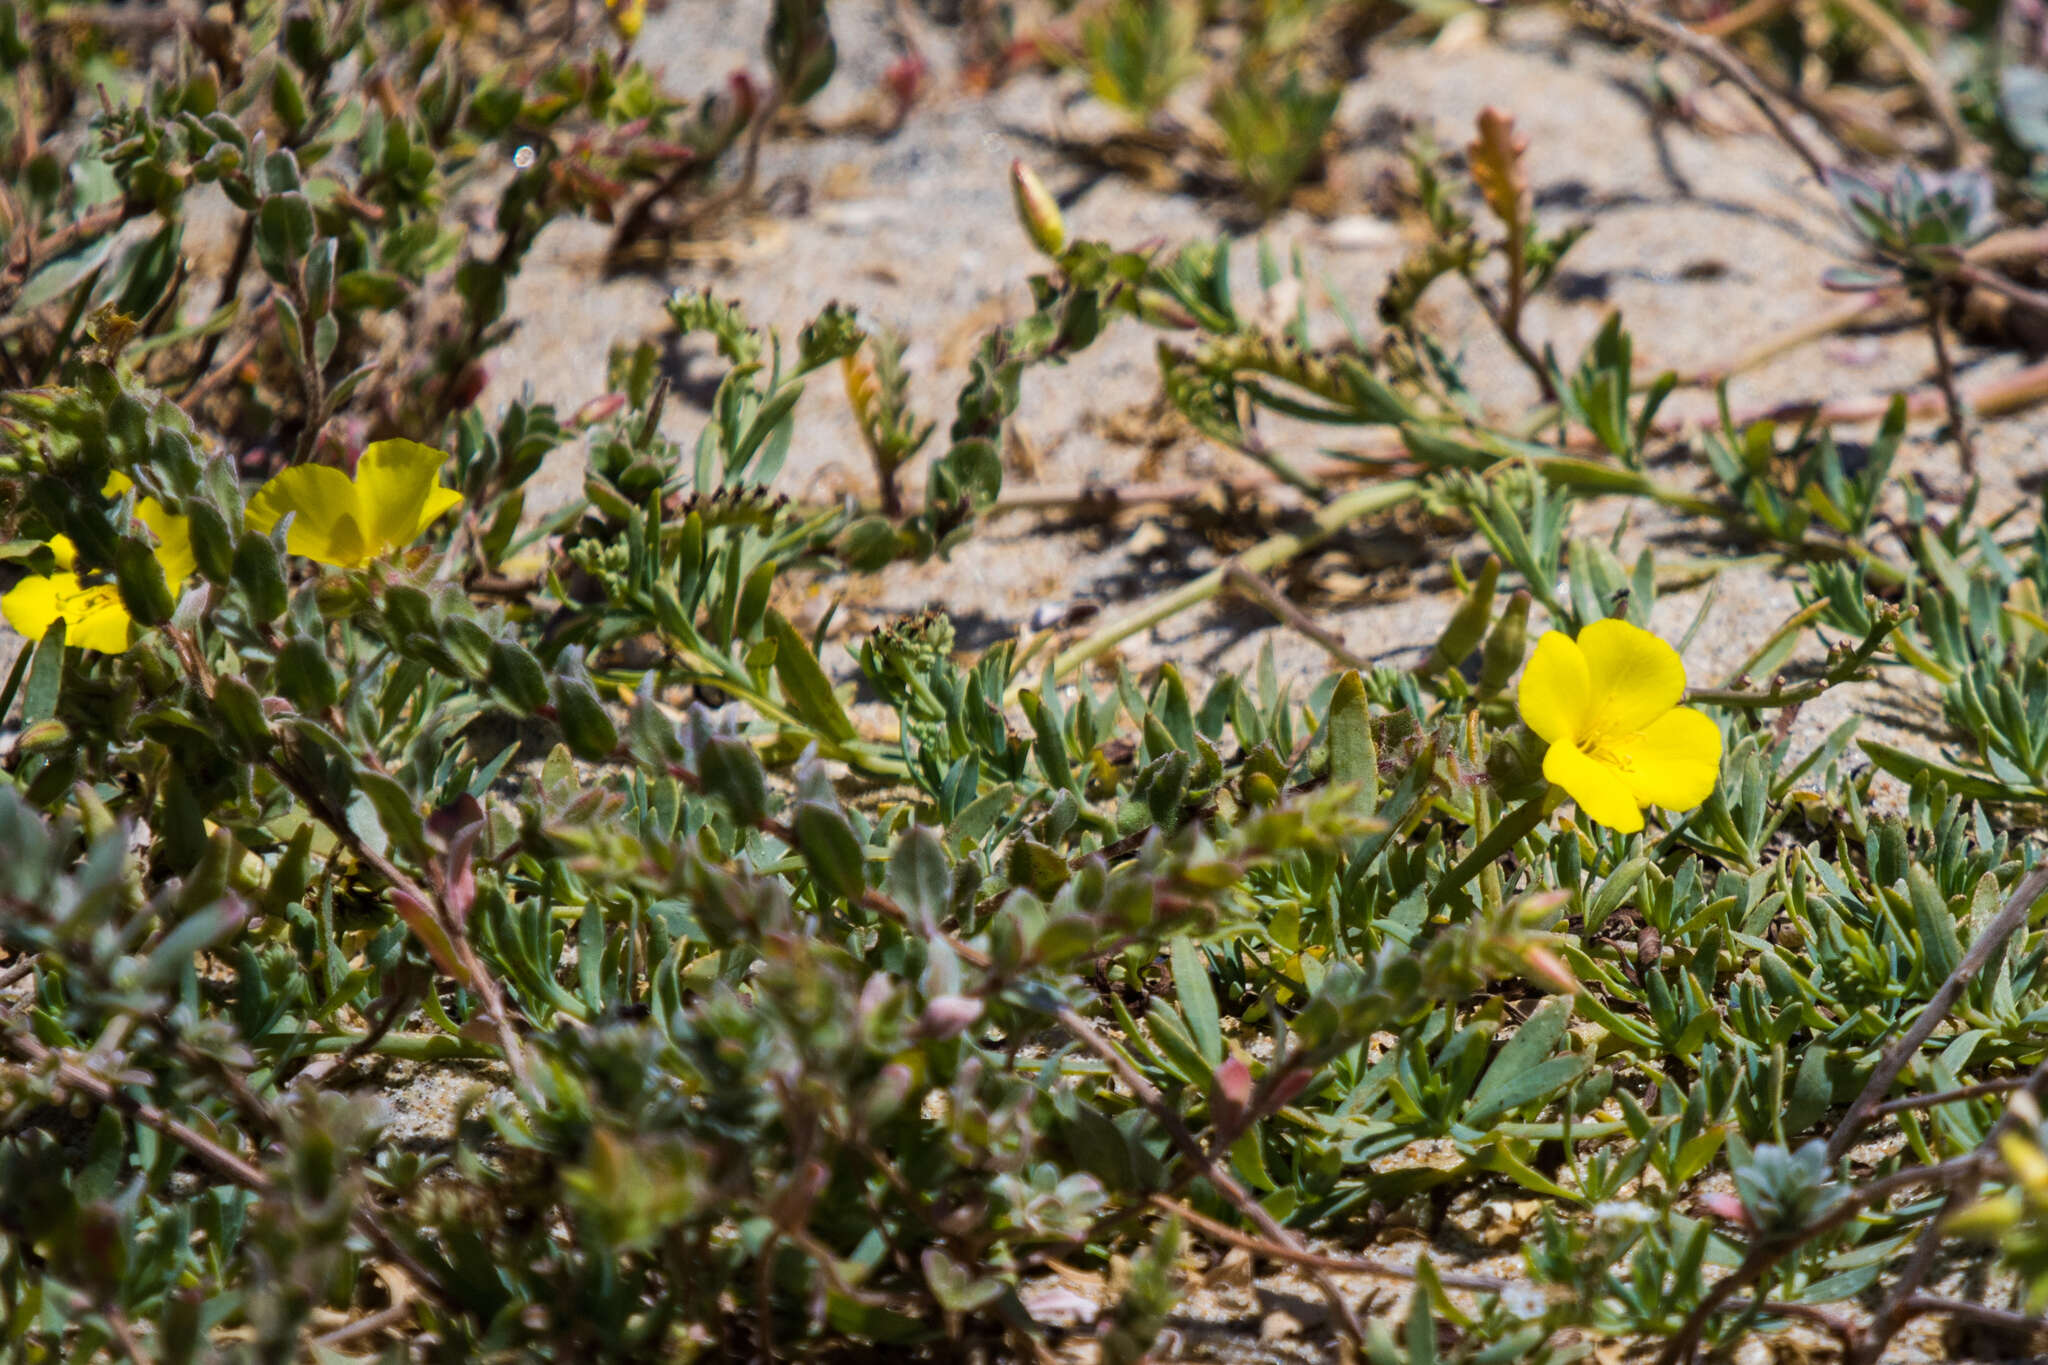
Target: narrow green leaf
{"x": 45, "y": 677}
{"x": 1354, "y": 761}
{"x": 1197, "y": 998}
{"x": 804, "y": 683}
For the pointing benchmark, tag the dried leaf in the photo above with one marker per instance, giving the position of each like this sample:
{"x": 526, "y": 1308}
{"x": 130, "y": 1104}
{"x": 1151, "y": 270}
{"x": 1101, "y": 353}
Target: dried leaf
{"x": 1497, "y": 169}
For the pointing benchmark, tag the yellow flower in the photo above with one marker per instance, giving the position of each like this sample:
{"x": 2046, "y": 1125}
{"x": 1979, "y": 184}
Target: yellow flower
{"x": 90, "y": 607}
{"x": 393, "y": 498}
{"x": 630, "y": 14}
{"x": 92, "y": 612}
{"x": 1608, "y": 705}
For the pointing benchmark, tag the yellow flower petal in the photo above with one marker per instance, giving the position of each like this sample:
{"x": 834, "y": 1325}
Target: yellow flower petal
{"x": 631, "y": 14}
{"x": 94, "y": 616}
{"x": 1556, "y": 694}
{"x": 1635, "y": 676}
{"x": 1673, "y": 761}
{"x": 322, "y": 503}
{"x": 395, "y": 481}
{"x": 439, "y": 500}
{"x": 64, "y": 550}
{"x": 1601, "y": 790}
{"x": 30, "y": 606}
{"x": 2029, "y": 1166}
{"x": 173, "y": 541}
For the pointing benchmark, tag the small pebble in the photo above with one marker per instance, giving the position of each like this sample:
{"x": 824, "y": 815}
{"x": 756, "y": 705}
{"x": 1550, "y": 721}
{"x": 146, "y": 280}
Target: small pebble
{"x": 1360, "y": 232}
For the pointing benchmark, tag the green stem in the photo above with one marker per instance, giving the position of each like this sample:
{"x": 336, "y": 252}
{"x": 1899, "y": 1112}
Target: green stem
{"x": 408, "y": 1047}
{"x": 1330, "y": 519}
{"x": 867, "y": 758}
{"x": 1795, "y": 624}
{"x": 1846, "y": 668}
{"x": 1505, "y": 834}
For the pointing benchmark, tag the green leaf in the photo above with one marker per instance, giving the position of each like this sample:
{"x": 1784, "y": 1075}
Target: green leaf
{"x": 284, "y": 234}
{"x": 149, "y": 269}
{"x": 304, "y": 677}
{"x": 1354, "y": 761}
{"x": 241, "y": 711}
{"x": 981, "y": 814}
{"x": 1050, "y": 746}
{"x": 1936, "y": 926}
{"x": 1525, "y": 1087}
{"x": 1042, "y": 871}
{"x": 1533, "y": 1042}
{"x": 1911, "y": 767}
{"x": 140, "y": 580}
{"x": 773, "y": 412}
{"x": 380, "y": 289}
{"x": 45, "y": 676}
{"x": 804, "y": 683}
{"x": 397, "y": 810}
{"x": 919, "y": 877}
{"x": 18, "y": 670}
{"x": 213, "y": 540}
{"x": 731, "y": 772}
{"x": 957, "y": 1288}
{"x": 58, "y": 278}
{"x": 589, "y": 729}
{"x": 1813, "y": 1091}
{"x": 1197, "y": 998}
{"x": 516, "y": 676}
{"x": 831, "y": 849}
{"x": 259, "y": 572}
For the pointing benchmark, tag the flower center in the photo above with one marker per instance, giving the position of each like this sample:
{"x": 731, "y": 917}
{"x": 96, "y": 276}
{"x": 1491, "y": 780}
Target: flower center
{"x": 1606, "y": 749}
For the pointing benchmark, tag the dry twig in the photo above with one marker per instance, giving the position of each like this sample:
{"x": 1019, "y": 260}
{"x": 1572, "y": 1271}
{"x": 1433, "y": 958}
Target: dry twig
{"x": 1714, "y": 53}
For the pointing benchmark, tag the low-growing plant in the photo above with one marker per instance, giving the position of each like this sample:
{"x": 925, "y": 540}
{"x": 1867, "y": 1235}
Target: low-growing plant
{"x": 787, "y": 1030}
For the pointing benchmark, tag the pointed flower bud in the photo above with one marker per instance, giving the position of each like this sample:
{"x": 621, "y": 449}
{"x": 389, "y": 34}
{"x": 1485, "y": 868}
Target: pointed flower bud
{"x": 1038, "y": 210}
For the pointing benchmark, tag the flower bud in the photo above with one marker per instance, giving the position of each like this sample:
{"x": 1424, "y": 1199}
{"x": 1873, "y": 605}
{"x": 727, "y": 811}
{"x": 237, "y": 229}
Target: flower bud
{"x": 949, "y": 1016}
{"x": 743, "y": 98}
{"x": 45, "y": 736}
{"x": 1038, "y": 210}
{"x": 1257, "y": 789}
{"x": 886, "y": 1096}
{"x": 905, "y": 80}
{"x": 598, "y": 409}
{"x": 1726, "y": 1207}
{"x": 1548, "y": 970}
{"x": 99, "y": 822}
{"x": 790, "y": 1206}
{"x": 208, "y": 882}
{"x": 1467, "y": 625}
{"x": 467, "y": 385}
{"x": 1230, "y": 1090}
{"x": 627, "y": 16}
{"x": 1291, "y": 1084}
{"x": 1506, "y": 644}
{"x": 1161, "y": 309}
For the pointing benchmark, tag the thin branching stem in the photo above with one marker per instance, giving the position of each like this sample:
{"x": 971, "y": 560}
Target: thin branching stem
{"x": 1945, "y": 379}
{"x": 2018, "y": 905}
